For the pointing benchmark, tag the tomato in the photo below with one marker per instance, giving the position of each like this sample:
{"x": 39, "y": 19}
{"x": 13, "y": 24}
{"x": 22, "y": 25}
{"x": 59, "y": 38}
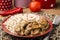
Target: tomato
{"x": 35, "y": 6}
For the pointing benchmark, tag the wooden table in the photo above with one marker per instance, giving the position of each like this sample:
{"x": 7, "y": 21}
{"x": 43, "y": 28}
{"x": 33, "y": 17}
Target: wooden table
{"x": 51, "y": 11}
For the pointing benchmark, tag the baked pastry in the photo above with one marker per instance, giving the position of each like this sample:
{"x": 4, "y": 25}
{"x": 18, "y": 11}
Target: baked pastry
{"x": 27, "y": 24}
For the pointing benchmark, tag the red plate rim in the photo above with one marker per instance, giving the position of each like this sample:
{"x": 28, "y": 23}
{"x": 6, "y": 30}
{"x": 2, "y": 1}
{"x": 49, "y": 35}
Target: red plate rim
{"x": 7, "y": 31}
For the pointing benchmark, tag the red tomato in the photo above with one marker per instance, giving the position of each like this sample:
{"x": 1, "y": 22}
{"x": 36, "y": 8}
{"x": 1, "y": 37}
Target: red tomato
{"x": 35, "y": 6}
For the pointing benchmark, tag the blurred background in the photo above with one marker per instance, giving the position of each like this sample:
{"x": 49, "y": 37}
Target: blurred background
{"x": 58, "y": 3}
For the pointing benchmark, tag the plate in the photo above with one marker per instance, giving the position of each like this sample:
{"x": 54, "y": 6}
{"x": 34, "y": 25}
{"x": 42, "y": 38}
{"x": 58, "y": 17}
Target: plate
{"x": 7, "y": 31}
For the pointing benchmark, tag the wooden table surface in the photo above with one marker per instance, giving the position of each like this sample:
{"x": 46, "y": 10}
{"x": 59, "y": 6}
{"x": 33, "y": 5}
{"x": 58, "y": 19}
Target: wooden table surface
{"x": 53, "y": 11}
